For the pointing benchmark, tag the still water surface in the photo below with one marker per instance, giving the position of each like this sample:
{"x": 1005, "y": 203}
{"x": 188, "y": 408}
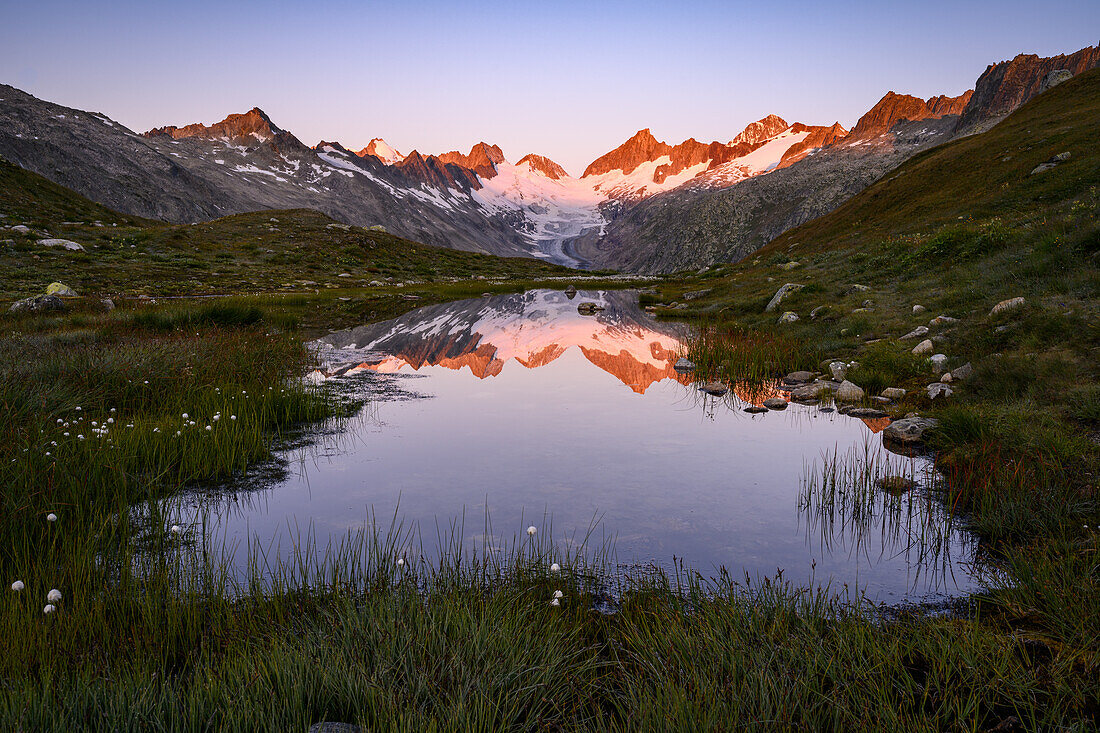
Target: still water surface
{"x": 519, "y": 406}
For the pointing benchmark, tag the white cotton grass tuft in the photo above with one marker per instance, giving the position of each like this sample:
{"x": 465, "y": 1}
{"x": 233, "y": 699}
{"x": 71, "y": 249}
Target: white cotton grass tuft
{"x": 176, "y": 529}
{"x": 17, "y": 586}
{"x": 531, "y": 531}
{"x": 555, "y": 602}
{"x": 54, "y": 596}
{"x": 50, "y": 608}
{"x": 555, "y": 568}
{"x": 185, "y": 416}
{"x": 400, "y": 562}
{"x": 51, "y": 517}
{"x": 558, "y": 594}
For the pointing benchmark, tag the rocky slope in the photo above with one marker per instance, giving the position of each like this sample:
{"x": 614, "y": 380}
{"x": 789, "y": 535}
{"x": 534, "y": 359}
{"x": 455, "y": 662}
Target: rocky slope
{"x": 1003, "y": 87}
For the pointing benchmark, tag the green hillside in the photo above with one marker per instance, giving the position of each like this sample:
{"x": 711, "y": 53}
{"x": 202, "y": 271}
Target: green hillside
{"x": 254, "y": 252}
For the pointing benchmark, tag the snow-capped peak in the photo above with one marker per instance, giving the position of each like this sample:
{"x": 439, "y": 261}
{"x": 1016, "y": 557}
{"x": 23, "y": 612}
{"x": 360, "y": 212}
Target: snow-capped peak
{"x": 382, "y": 150}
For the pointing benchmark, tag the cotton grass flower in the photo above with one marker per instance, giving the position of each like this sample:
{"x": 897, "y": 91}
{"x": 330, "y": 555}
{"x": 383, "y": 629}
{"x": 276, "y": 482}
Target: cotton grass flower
{"x": 557, "y": 594}
{"x": 531, "y": 531}
{"x": 54, "y": 596}
{"x": 50, "y": 608}
{"x": 176, "y": 529}
{"x": 400, "y": 562}
{"x": 185, "y": 416}
{"x": 555, "y": 602}
{"x": 555, "y": 568}
{"x": 17, "y": 586}
{"x": 51, "y": 517}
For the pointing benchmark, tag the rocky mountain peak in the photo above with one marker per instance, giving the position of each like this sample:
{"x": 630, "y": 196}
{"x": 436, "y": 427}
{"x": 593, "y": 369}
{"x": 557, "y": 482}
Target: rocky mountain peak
{"x": 894, "y": 108}
{"x": 482, "y": 159}
{"x": 762, "y": 129}
{"x": 382, "y": 150}
{"x": 543, "y": 165}
{"x": 249, "y": 127}
{"x": 641, "y": 147}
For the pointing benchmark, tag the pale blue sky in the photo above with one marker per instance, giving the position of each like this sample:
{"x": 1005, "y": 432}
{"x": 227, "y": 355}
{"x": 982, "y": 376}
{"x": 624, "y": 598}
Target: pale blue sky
{"x": 569, "y": 80}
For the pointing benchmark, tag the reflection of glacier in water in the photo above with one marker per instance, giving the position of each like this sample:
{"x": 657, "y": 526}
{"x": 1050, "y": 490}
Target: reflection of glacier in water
{"x": 535, "y": 414}
{"x": 533, "y": 328}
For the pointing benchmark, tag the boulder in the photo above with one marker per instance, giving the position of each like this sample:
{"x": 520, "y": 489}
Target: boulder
{"x": 684, "y": 365}
{"x": 21, "y": 229}
{"x": 775, "y": 403}
{"x": 867, "y": 413}
{"x": 939, "y": 362}
{"x": 798, "y": 378}
{"x": 808, "y": 392}
{"x": 38, "y": 304}
{"x": 589, "y": 308}
{"x": 893, "y": 393}
{"x": 858, "y": 288}
{"x": 916, "y": 333}
{"x": 1055, "y": 78}
{"x": 60, "y": 289}
{"x": 849, "y": 392}
{"x": 571, "y": 290}
{"x": 695, "y": 294}
{"x": 942, "y": 321}
{"x": 918, "y": 309}
{"x": 330, "y": 727}
{"x": 790, "y": 265}
{"x": 909, "y": 430}
{"x": 1007, "y": 305}
{"x": 820, "y": 310}
{"x": 923, "y": 347}
{"x": 715, "y": 388}
{"x": 788, "y": 317}
{"x": 963, "y": 372}
{"x": 839, "y": 370}
{"x": 780, "y": 294}
{"x": 108, "y": 304}
{"x": 755, "y": 409}
{"x": 938, "y": 389}
{"x": 63, "y": 243}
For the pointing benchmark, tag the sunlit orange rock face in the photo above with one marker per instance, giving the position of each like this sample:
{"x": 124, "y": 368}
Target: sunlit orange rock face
{"x": 894, "y": 108}
{"x": 253, "y": 124}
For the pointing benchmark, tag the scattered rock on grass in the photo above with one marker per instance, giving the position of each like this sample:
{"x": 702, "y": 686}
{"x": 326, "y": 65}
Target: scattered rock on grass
{"x": 942, "y": 321}
{"x": 938, "y": 389}
{"x": 38, "y": 304}
{"x": 939, "y": 362}
{"x": 893, "y": 393}
{"x": 917, "y": 309}
{"x": 849, "y": 392}
{"x": 780, "y": 294}
{"x": 63, "y": 243}
{"x": 915, "y": 333}
{"x": 963, "y": 372}
{"x": 1006, "y": 305}
{"x": 923, "y": 347}
{"x": 788, "y": 317}
{"x": 60, "y": 289}
{"x": 838, "y": 369}
{"x": 798, "y": 378}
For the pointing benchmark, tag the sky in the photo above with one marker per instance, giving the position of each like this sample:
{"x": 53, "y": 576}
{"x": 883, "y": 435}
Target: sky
{"x": 569, "y": 80}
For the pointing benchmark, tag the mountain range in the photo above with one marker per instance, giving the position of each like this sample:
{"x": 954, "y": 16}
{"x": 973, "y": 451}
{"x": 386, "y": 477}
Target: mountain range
{"x": 646, "y": 206}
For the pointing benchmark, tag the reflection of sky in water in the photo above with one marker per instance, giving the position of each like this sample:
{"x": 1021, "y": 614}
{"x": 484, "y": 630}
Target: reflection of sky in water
{"x": 668, "y": 473}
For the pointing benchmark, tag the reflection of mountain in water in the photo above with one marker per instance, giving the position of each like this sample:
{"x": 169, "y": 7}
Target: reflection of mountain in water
{"x": 534, "y": 328}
